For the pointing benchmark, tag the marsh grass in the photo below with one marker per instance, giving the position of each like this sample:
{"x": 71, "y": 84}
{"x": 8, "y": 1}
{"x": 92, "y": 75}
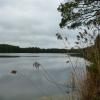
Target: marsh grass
{"x": 89, "y": 85}
{"x": 87, "y": 81}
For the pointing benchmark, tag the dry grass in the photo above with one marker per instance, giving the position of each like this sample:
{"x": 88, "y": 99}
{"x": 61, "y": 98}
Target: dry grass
{"x": 90, "y": 85}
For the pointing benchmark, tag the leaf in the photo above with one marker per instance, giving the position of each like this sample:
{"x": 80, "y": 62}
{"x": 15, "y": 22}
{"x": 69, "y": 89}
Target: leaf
{"x": 59, "y": 36}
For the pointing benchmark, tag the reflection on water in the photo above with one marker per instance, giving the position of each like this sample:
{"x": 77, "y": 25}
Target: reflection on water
{"x": 30, "y": 83}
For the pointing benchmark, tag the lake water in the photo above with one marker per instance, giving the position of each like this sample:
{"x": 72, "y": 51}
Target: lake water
{"x": 30, "y": 83}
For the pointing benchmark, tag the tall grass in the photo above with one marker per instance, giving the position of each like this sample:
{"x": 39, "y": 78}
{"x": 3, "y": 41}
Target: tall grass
{"x": 87, "y": 82}
{"x": 89, "y": 85}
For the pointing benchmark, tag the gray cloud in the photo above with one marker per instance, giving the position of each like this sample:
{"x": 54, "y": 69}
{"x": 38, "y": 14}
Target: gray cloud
{"x": 30, "y": 23}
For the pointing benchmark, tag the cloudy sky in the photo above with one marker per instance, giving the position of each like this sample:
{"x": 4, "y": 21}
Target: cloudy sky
{"x": 28, "y": 23}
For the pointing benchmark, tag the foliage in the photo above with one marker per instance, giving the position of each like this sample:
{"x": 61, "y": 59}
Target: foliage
{"x": 78, "y": 13}
{"x": 4, "y": 48}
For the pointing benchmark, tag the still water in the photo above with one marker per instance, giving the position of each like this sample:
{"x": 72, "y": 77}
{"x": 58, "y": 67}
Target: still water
{"x": 30, "y": 83}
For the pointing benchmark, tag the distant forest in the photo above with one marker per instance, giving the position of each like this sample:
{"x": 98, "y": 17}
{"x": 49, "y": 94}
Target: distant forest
{"x": 5, "y": 48}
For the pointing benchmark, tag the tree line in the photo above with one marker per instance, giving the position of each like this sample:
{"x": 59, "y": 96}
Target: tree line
{"x": 5, "y": 48}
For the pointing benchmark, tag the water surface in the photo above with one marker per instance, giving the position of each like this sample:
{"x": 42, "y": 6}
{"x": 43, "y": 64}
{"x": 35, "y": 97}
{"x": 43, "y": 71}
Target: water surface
{"x": 30, "y": 83}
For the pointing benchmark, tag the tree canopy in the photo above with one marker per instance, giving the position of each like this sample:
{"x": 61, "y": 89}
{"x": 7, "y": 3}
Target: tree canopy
{"x": 78, "y": 13}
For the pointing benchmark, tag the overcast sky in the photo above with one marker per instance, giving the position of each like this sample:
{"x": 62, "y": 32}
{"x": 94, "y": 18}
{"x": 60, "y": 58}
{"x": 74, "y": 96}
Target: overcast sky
{"x": 28, "y": 23}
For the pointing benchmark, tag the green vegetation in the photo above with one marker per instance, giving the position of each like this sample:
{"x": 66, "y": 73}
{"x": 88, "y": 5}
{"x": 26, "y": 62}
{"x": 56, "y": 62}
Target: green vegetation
{"x": 77, "y": 13}
{"x": 5, "y": 48}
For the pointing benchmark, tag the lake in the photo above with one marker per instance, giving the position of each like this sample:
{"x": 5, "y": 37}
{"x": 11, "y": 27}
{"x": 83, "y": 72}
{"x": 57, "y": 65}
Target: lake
{"x": 30, "y": 83}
